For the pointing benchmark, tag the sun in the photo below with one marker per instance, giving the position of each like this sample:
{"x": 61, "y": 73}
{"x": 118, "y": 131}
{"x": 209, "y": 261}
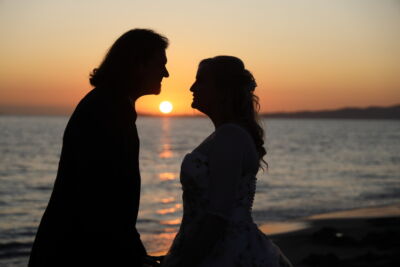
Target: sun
{"x": 166, "y": 107}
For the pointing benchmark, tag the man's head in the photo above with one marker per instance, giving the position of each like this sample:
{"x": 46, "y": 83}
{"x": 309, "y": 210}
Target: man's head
{"x": 134, "y": 64}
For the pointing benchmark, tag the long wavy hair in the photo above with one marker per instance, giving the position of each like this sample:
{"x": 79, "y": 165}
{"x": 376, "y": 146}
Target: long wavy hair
{"x": 133, "y": 49}
{"x": 238, "y": 102}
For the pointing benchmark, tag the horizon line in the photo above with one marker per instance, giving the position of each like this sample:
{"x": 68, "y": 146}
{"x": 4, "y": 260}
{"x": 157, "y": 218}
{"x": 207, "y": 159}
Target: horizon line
{"x": 62, "y": 112}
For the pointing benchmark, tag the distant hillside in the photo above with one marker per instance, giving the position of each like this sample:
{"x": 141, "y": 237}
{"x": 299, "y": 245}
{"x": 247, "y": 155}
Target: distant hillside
{"x": 392, "y": 113}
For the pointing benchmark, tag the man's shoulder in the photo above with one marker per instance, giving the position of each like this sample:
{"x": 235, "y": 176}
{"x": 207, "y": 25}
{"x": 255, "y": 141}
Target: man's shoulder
{"x": 101, "y": 106}
{"x": 94, "y": 98}
{"x": 87, "y": 108}
{"x": 94, "y": 103}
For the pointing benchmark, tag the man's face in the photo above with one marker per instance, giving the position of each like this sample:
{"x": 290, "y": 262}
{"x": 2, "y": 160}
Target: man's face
{"x": 153, "y": 73}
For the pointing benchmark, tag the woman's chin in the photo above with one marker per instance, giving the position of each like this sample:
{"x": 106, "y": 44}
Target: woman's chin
{"x": 197, "y": 107}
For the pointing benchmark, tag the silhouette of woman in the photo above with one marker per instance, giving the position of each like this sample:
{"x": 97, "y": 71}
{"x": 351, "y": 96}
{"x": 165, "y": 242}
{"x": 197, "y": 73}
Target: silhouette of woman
{"x": 219, "y": 176}
{"x": 91, "y": 217}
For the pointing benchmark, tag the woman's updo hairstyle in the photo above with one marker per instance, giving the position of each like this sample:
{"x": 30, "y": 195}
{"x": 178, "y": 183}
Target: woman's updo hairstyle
{"x": 238, "y": 102}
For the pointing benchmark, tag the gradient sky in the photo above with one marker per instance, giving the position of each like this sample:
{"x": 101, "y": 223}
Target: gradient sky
{"x": 305, "y": 55}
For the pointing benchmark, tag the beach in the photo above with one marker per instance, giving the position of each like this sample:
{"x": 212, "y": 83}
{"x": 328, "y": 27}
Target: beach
{"x": 365, "y": 237}
{"x": 359, "y": 237}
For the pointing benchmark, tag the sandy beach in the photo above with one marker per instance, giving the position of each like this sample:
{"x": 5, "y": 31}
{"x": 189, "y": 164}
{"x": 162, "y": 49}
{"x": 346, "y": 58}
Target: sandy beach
{"x": 366, "y": 237}
{"x": 361, "y": 237}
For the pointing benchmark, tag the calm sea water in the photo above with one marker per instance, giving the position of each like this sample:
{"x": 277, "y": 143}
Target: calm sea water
{"x": 315, "y": 166}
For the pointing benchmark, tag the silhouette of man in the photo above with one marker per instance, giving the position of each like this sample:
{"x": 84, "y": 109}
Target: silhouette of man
{"x": 91, "y": 216}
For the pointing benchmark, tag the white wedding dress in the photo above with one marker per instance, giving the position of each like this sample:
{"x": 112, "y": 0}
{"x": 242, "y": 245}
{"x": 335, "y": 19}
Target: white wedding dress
{"x": 218, "y": 177}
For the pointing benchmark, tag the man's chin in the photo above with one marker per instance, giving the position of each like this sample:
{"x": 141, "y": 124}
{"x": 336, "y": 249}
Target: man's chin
{"x": 157, "y": 91}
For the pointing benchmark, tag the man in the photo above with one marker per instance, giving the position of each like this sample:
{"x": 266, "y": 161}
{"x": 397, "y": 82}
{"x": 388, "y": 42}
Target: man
{"x": 91, "y": 216}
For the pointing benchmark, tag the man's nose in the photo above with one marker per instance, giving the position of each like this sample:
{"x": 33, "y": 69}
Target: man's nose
{"x": 192, "y": 88}
{"x": 166, "y": 73}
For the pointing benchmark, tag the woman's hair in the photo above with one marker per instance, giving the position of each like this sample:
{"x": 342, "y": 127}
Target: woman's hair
{"x": 238, "y": 102}
{"x": 128, "y": 52}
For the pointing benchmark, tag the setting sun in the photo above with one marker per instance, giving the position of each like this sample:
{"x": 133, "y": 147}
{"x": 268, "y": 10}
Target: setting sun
{"x": 166, "y": 107}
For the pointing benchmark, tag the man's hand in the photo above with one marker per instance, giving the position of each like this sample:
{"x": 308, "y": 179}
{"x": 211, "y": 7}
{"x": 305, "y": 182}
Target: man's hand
{"x": 150, "y": 261}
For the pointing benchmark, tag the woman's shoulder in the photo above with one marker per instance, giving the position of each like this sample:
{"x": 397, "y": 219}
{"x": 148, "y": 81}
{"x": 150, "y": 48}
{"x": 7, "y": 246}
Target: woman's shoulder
{"x": 234, "y": 136}
{"x": 232, "y": 131}
{"x": 233, "y": 143}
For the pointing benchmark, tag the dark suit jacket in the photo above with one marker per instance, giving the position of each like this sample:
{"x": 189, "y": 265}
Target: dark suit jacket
{"x": 91, "y": 217}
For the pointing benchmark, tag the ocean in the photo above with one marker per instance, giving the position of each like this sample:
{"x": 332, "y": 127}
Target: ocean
{"x": 315, "y": 166}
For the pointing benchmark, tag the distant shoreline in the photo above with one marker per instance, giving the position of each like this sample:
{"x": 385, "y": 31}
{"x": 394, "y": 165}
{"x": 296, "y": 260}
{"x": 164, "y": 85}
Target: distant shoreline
{"x": 391, "y": 113}
{"x": 373, "y": 112}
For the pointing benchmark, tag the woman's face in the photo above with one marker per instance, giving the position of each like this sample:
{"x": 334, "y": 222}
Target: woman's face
{"x": 205, "y": 93}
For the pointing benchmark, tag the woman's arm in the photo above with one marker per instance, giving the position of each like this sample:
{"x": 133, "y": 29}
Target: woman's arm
{"x": 226, "y": 169}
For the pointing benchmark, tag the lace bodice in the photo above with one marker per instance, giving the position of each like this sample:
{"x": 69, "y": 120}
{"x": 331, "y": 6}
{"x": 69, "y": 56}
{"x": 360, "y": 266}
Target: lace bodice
{"x": 195, "y": 181}
{"x": 219, "y": 178}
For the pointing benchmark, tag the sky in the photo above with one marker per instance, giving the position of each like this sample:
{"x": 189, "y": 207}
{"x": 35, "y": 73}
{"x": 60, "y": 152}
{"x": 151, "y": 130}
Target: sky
{"x": 304, "y": 54}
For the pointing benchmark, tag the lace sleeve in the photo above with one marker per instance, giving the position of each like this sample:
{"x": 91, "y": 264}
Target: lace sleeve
{"x": 226, "y": 168}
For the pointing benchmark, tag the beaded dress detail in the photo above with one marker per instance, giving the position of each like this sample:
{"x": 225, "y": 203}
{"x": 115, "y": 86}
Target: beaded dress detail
{"x": 242, "y": 244}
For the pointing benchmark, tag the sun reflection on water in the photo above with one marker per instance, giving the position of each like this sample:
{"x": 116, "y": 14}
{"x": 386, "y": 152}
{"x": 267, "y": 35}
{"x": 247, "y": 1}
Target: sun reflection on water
{"x": 169, "y": 210}
{"x": 176, "y": 221}
{"x": 167, "y": 200}
{"x": 166, "y": 151}
{"x": 167, "y": 176}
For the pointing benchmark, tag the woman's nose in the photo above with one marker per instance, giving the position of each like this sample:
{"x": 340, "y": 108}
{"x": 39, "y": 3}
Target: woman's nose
{"x": 192, "y": 88}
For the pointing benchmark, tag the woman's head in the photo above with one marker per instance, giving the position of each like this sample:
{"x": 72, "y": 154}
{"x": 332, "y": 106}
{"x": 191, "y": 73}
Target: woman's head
{"x": 223, "y": 86}
{"x": 136, "y": 59}
{"x": 224, "y": 89}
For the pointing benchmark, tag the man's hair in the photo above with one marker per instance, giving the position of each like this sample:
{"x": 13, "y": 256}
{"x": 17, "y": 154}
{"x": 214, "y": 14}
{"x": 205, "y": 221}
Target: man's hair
{"x": 132, "y": 49}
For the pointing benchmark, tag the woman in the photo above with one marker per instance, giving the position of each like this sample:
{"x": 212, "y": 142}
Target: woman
{"x": 219, "y": 177}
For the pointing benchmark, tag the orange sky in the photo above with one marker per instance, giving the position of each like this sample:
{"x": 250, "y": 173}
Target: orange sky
{"x": 305, "y": 54}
